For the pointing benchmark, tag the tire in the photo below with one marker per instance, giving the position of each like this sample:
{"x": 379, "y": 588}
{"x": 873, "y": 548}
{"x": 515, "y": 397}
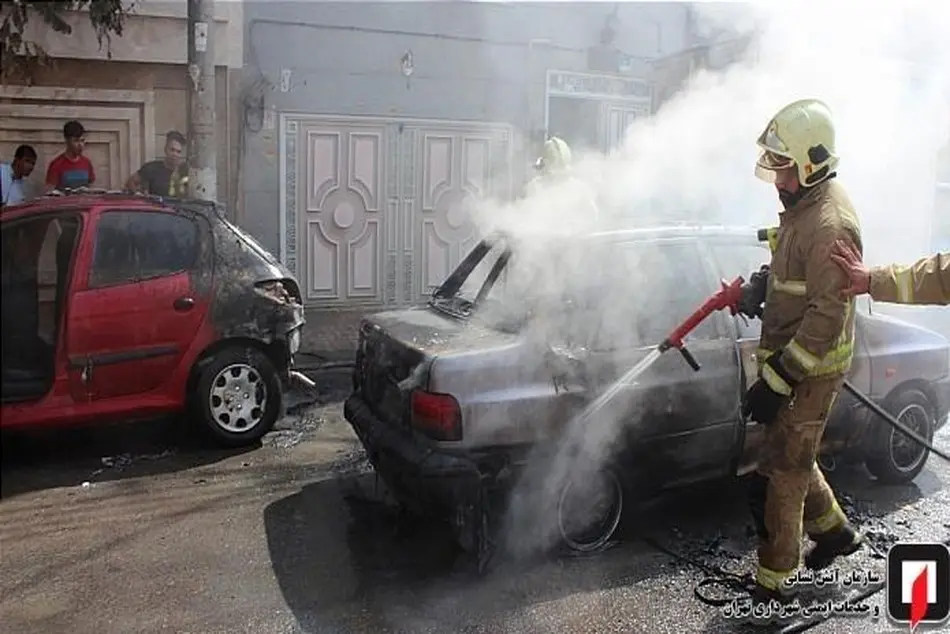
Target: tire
{"x": 893, "y": 457}
{"x": 597, "y": 536}
{"x": 254, "y": 381}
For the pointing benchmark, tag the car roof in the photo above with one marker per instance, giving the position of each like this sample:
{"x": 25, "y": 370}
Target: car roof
{"x": 86, "y": 198}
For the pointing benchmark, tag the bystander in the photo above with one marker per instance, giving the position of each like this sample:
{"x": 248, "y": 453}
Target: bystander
{"x": 71, "y": 169}
{"x": 166, "y": 176}
{"x": 13, "y": 175}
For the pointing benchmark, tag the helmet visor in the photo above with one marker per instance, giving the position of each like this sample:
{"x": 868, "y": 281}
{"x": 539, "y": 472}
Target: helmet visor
{"x": 769, "y": 163}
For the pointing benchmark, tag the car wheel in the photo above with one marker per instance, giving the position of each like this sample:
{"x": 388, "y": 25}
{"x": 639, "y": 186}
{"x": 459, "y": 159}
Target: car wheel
{"x": 894, "y": 457}
{"x": 588, "y": 513}
{"x": 238, "y": 396}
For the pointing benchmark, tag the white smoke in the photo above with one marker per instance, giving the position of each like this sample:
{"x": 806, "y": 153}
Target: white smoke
{"x": 885, "y": 73}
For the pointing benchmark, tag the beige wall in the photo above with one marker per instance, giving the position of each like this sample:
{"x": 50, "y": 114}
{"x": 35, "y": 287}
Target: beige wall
{"x": 130, "y": 101}
{"x": 127, "y": 107}
{"x": 155, "y": 32}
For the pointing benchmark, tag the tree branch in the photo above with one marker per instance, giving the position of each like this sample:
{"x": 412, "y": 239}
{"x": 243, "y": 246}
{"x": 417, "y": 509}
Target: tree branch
{"x": 22, "y": 57}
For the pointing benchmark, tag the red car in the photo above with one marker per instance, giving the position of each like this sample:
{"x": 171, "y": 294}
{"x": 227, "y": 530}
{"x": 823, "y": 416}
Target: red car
{"x": 121, "y": 306}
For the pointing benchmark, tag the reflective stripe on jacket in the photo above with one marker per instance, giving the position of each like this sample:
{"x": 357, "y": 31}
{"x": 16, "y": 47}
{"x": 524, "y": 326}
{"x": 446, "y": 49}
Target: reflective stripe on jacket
{"x": 805, "y": 315}
{"x": 926, "y": 281}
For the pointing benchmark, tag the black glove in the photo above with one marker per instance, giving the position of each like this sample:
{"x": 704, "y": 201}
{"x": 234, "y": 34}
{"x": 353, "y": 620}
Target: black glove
{"x": 762, "y": 403}
{"x": 753, "y": 293}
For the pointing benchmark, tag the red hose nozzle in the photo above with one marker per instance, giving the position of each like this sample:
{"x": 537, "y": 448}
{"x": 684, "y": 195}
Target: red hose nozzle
{"x": 728, "y": 296}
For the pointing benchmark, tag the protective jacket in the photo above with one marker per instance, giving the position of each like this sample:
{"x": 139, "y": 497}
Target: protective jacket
{"x": 805, "y": 316}
{"x": 926, "y": 281}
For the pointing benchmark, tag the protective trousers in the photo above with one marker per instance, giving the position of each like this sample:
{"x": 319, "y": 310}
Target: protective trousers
{"x": 788, "y": 489}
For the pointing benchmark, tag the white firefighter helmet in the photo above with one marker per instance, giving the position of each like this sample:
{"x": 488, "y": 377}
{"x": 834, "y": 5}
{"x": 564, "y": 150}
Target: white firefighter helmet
{"x": 555, "y": 156}
{"x": 801, "y": 134}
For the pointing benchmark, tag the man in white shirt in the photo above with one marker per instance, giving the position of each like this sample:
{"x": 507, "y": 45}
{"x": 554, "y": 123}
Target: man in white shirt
{"x": 13, "y": 175}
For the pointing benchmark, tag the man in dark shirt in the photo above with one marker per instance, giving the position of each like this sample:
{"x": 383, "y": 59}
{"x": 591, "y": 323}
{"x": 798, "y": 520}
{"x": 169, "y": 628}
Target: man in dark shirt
{"x": 167, "y": 176}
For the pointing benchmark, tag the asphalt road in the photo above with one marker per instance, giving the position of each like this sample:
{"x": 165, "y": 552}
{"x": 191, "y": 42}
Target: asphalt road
{"x": 139, "y": 529}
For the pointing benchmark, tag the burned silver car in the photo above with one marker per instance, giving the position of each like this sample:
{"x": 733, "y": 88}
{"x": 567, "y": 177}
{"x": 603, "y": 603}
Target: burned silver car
{"x": 451, "y": 399}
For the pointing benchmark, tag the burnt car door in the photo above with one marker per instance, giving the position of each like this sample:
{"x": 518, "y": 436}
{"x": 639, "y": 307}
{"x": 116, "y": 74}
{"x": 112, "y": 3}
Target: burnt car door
{"x": 136, "y": 310}
{"x": 678, "y": 423}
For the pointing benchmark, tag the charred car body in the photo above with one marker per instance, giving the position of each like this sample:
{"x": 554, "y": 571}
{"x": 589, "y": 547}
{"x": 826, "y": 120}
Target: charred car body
{"x": 121, "y": 306}
{"x": 450, "y": 400}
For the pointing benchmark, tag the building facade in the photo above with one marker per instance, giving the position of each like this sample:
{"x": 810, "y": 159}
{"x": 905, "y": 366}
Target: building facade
{"x": 368, "y": 126}
{"x": 126, "y": 103}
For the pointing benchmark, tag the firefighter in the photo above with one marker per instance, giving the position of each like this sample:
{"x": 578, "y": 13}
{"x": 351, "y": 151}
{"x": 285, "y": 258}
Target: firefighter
{"x": 552, "y": 166}
{"x": 555, "y": 169}
{"x": 926, "y": 281}
{"x": 805, "y": 349}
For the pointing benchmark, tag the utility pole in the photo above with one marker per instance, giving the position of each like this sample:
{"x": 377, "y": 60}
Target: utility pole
{"x": 202, "y": 167}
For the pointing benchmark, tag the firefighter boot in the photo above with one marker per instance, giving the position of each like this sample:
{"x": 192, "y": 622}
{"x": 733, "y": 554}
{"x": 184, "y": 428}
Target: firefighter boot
{"x": 839, "y": 542}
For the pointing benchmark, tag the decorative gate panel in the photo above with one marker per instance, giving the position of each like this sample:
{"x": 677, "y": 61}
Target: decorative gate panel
{"x": 460, "y": 165}
{"x": 382, "y": 207}
{"x": 342, "y": 224}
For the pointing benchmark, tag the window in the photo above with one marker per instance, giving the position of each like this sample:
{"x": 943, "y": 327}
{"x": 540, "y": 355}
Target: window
{"x": 641, "y": 291}
{"x": 742, "y": 259}
{"x": 138, "y": 245}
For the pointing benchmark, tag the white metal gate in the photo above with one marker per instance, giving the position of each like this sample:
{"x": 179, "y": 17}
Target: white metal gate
{"x": 374, "y": 211}
{"x": 622, "y": 100}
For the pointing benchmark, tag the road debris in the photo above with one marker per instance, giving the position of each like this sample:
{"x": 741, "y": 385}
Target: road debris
{"x": 122, "y": 461}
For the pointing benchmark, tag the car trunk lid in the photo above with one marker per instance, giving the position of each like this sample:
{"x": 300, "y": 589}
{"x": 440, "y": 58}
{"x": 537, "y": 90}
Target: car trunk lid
{"x": 396, "y": 352}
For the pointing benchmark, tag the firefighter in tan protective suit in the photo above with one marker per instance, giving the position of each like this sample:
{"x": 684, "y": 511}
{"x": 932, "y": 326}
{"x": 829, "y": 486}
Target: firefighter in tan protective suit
{"x": 926, "y": 281}
{"x": 554, "y": 165}
{"x": 554, "y": 169}
{"x": 805, "y": 349}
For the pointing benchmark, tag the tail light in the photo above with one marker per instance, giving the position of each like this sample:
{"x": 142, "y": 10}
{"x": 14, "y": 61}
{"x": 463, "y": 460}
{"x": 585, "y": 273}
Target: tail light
{"x": 438, "y": 416}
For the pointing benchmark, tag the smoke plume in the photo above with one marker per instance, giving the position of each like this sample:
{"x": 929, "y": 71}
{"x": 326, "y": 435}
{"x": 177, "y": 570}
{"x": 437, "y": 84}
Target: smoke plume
{"x": 885, "y": 73}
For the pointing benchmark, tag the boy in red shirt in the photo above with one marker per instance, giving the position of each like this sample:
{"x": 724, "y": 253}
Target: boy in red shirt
{"x": 71, "y": 169}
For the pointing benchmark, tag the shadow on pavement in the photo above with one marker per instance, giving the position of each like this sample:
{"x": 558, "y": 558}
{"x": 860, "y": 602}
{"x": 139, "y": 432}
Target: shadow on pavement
{"x": 408, "y": 574}
{"x": 34, "y": 460}
{"x": 390, "y": 560}
{"x": 877, "y": 498}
